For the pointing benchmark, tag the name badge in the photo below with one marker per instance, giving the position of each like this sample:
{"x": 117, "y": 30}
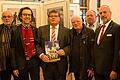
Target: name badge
{"x": 109, "y": 34}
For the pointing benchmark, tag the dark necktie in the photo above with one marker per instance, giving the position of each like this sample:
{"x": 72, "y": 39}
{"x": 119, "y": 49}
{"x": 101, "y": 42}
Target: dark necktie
{"x": 102, "y": 33}
{"x": 26, "y": 38}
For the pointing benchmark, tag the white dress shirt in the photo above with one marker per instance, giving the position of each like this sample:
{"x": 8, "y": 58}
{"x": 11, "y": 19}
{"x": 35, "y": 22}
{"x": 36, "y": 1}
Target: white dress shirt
{"x": 106, "y": 25}
{"x": 56, "y": 31}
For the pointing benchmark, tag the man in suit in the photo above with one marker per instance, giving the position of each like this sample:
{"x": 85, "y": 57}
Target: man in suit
{"x": 5, "y": 50}
{"x": 81, "y": 50}
{"x": 90, "y": 19}
{"x": 23, "y": 44}
{"x": 57, "y": 69}
{"x": 107, "y": 45}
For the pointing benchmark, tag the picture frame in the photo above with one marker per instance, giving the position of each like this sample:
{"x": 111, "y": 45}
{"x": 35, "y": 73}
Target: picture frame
{"x": 15, "y": 6}
{"x": 61, "y": 6}
{"x": 74, "y": 10}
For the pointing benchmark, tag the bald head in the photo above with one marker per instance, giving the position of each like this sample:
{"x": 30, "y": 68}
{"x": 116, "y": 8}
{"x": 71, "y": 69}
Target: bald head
{"x": 76, "y": 23}
{"x": 106, "y": 7}
{"x": 90, "y": 17}
{"x": 76, "y": 17}
{"x": 7, "y": 17}
{"x": 105, "y": 13}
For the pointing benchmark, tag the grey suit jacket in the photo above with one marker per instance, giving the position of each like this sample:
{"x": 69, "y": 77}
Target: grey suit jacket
{"x": 106, "y": 53}
{"x": 63, "y": 38}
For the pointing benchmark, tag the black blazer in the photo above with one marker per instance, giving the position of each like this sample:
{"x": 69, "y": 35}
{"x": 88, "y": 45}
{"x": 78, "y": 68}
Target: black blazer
{"x": 107, "y": 52}
{"x": 18, "y": 55}
{"x": 2, "y": 53}
{"x": 63, "y": 38}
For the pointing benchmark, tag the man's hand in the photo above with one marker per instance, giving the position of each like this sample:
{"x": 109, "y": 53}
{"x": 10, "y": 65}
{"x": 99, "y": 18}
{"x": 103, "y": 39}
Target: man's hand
{"x": 45, "y": 58}
{"x": 113, "y": 75}
{"x": 90, "y": 72}
{"x": 16, "y": 73}
{"x": 61, "y": 52}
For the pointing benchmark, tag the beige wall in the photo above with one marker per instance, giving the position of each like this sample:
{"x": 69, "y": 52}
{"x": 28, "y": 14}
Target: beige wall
{"x": 114, "y": 5}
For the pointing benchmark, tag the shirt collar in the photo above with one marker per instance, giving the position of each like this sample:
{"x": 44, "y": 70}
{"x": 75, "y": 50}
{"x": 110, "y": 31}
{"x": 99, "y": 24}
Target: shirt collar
{"x": 107, "y": 23}
{"x": 56, "y": 27}
{"x": 25, "y": 27}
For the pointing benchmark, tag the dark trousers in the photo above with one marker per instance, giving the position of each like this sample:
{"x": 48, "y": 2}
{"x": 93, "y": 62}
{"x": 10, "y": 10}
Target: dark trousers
{"x": 6, "y": 74}
{"x": 31, "y": 70}
{"x": 101, "y": 77}
{"x": 51, "y": 72}
{"x": 78, "y": 77}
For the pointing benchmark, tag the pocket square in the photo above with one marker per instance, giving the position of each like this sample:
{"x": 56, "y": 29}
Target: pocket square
{"x": 109, "y": 34}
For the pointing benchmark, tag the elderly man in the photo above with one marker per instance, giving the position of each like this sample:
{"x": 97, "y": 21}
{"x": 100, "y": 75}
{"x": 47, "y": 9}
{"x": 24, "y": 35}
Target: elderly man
{"x": 5, "y": 50}
{"x": 81, "y": 50}
{"x": 107, "y": 45}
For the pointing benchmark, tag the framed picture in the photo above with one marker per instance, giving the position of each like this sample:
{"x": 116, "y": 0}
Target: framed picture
{"x": 61, "y": 6}
{"x": 74, "y": 10}
{"x": 15, "y": 6}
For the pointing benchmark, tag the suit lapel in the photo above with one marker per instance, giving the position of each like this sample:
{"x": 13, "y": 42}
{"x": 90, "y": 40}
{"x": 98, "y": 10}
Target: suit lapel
{"x": 97, "y": 34}
{"x": 20, "y": 34}
{"x": 60, "y": 33}
{"x": 33, "y": 29}
{"x": 47, "y": 33}
{"x": 107, "y": 30}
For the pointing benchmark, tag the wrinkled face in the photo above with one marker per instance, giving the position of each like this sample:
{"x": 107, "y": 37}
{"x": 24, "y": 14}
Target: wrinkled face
{"x": 54, "y": 19}
{"x": 90, "y": 17}
{"x": 105, "y": 14}
{"x": 7, "y": 18}
{"x": 26, "y": 16}
{"x": 76, "y": 23}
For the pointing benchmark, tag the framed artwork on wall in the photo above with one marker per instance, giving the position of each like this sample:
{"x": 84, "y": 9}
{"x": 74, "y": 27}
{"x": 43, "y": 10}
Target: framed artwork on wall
{"x": 15, "y": 7}
{"x": 74, "y": 10}
{"x": 62, "y": 7}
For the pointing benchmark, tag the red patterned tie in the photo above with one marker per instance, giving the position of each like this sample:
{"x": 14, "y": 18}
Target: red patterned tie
{"x": 102, "y": 33}
{"x": 53, "y": 36}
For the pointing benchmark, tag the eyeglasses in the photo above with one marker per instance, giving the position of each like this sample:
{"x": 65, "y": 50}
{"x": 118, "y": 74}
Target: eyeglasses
{"x": 26, "y": 14}
{"x": 54, "y": 16}
{"x": 6, "y": 17}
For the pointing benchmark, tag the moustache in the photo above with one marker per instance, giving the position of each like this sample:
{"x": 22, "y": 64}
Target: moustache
{"x": 103, "y": 17}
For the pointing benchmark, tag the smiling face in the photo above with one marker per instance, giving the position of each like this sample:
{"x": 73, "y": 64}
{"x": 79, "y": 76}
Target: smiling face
{"x": 76, "y": 23}
{"x": 105, "y": 14}
{"x": 26, "y": 17}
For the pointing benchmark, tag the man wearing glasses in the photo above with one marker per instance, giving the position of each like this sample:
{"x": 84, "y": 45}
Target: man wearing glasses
{"x": 54, "y": 68}
{"x": 24, "y": 41}
{"x": 5, "y": 50}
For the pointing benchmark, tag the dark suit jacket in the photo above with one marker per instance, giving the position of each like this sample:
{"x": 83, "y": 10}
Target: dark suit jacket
{"x": 63, "y": 38}
{"x": 2, "y": 54}
{"x": 106, "y": 53}
{"x": 18, "y": 55}
{"x": 2, "y": 45}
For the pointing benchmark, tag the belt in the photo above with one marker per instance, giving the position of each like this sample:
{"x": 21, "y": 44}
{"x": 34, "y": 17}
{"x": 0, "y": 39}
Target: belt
{"x": 27, "y": 58}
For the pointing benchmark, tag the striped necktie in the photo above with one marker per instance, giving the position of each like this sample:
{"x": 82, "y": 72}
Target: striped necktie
{"x": 53, "y": 36}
